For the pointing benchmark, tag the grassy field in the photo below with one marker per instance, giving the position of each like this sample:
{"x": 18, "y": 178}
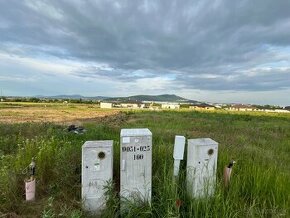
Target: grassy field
{"x": 260, "y": 144}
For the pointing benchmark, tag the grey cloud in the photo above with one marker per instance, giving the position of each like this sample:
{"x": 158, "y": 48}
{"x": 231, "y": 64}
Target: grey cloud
{"x": 261, "y": 80}
{"x": 178, "y": 38}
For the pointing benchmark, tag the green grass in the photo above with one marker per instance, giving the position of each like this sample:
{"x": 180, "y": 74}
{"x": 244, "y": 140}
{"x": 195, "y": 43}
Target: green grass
{"x": 260, "y": 143}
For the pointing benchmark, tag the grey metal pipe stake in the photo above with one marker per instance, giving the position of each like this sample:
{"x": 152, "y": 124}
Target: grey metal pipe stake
{"x": 228, "y": 172}
{"x": 32, "y": 168}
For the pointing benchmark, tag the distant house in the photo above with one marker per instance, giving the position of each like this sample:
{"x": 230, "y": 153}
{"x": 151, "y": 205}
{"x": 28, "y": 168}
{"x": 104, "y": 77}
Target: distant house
{"x": 106, "y": 105}
{"x": 154, "y": 107}
{"x": 142, "y": 106}
{"x": 281, "y": 111}
{"x": 170, "y": 106}
{"x": 202, "y": 107}
{"x": 242, "y": 107}
{"x": 130, "y": 105}
{"x": 133, "y": 104}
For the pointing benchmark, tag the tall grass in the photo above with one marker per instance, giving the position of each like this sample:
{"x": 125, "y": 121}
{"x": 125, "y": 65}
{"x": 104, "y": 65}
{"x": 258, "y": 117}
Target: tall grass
{"x": 260, "y": 181}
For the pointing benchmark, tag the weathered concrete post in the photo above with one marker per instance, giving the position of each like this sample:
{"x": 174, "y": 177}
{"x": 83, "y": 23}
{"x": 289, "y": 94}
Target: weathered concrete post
{"x": 136, "y": 164}
{"x": 97, "y": 170}
{"x": 178, "y": 153}
{"x": 201, "y": 167}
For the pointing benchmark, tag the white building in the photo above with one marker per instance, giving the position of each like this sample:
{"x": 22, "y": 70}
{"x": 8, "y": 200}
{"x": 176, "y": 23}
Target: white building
{"x": 170, "y": 106}
{"x": 106, "y": 105}
{"x": 129, "y": 105}
{"x": 281, "y": 111}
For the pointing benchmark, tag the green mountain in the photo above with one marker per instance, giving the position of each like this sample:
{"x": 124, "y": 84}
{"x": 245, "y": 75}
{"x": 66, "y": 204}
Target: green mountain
{"x": 135, "y": 98}
{"x": 162, "y": 98}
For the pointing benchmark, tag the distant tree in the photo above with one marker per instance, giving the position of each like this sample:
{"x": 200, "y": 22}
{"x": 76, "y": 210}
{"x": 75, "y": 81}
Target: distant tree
{"x": 33, "y": 99}
{"x": 19, "y": 100}
{"x": 184, "y": 105}
{"x": 267, "y": 107}
{"x": 156, "y": 104}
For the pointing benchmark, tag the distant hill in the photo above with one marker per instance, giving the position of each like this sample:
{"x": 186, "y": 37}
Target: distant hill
{"x": 135, "y": 98}
{"x": 155, "y": 98}
{"x": 72, "y": 97}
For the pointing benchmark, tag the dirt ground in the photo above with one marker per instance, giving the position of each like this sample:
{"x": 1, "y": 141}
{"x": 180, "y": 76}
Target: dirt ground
{"x": 56, "y": 113}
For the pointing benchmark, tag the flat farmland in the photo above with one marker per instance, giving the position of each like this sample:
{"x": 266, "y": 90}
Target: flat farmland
{"x": 51, "y": 112}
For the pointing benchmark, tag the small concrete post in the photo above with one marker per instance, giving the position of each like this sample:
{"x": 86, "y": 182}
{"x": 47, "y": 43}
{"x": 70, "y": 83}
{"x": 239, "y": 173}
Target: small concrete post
{"x": 201, "y": 167}
{"x": 30, "y": 184}
{"x": 178, "y": 153}
{"x": 136, "y": 164}
{"x": 97, "y": 170}
{"x": 30, "y": 189}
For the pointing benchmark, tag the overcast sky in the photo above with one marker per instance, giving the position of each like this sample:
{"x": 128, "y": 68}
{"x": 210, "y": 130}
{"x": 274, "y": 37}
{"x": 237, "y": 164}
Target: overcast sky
{"x": 207, "y": 50}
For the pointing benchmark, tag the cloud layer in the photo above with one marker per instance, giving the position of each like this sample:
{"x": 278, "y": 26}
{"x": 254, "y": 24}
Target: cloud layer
{"x": 153, "y": 46}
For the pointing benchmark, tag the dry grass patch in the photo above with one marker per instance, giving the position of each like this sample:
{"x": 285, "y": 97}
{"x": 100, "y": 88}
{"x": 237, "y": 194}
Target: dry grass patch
{"x": 55, "y": 113}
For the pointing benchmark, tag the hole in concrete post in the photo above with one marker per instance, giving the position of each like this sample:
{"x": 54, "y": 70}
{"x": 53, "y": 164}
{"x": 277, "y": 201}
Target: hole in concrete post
{"x": 210, "y": 151}
{"x": 101, "y": 155}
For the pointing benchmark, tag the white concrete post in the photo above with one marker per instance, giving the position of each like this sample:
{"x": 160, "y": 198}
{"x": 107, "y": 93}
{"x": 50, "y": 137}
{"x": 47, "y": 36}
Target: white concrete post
{"x": 97, "y": 170}
{"x": 30, "y": 189}
{"x": 178, "y": 153}
{"x": 201, "y": 167}
{"x": 136, "y": 164}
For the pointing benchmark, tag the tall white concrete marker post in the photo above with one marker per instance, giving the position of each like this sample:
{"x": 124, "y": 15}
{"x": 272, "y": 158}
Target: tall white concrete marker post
{"x": 178, "y": 152}
{"x": 136, "y": 164}
{"x": 97, "y": 170}
{"x": 202, "y": 156}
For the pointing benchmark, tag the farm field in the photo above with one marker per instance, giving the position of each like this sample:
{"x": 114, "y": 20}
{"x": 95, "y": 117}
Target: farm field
{"x": 49, "y": 112}
{"x": 258, "y": 142}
